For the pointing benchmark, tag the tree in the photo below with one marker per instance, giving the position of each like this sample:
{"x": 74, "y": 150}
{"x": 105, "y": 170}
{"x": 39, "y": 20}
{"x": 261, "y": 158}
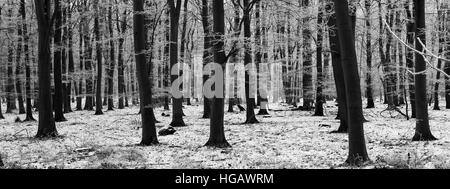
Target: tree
{"x": 112, "y": 59}
{"x": 19, "y": 65}
{"x": 10, "y": 103}
{"x": 87, "y": 55}
{"x": 121, "y": 28}
{"x": 337, "y": 70}
{"x": 177, "y": 117}
{"x": 217, "y": 133}
{"x": 47, "y": 126}
{"x": 320, "y": 100}
{"x": 369, "y": 90}
{"x": 357, "y": 145}
{"x": 206, "y": 53}
{"x": 410, "y": 56}
{"x": 98, "y": 47}
{"x": 423, "y": 132}
{"x": 58, "y": 100}
{"x": 28, "y": 92}
{"x": 308, "y": 91}
{"x": 251, "y": 117}
{"x": 145, "y": 92}
{"x": 265, "y": 57}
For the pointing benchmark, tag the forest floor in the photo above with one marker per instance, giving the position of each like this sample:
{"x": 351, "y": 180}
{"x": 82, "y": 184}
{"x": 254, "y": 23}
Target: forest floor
{"x": 286, "y": 139}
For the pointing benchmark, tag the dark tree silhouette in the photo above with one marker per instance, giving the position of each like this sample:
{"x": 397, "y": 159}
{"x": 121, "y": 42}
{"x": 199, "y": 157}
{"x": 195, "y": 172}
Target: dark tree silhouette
{"x": 112, "y": 59}
{"x": 57, "y": 70}
{"x": 217, "y": 133}
{"x": 369, "y": 90}
{"x": 357, "y": 145}
{"x": 28, "y": 92}
{"x": 177, "y": 117}
{"x": 250, "y": 99}
{"x": 145, "y": 92}
{"x": 320, "y": 100}
{"x": 47, "y": 126}
{"x": 98, "y": 47}
{"x": 423, "y": 132}
{"x": 337, "y": 70}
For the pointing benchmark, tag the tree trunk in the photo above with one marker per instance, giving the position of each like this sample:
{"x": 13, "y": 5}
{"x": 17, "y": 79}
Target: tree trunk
{"x": 89, "y": 104}
{"x": 369, "y": 92}
{"x": 98, "y": 46}
{"x": 149, "y": 136}
{"x": 121, "y": 28}
{"x": 320, "y": 100}
{"x": 217, "y": 133}
{"x": 357, "y": 145}
{"x": 264, "y": 66}
{"x": 177, "y": 109}
{"x": 423, "y": 132}
{"x": 47, "y": 126}
{"x": 338, "y": 73}
{"x": 29, "y": 94}
{"x": 206, "y": 54}
{"x": 10, "y": 100}
{"x": 250, "y": 99}
{"x": 19, "y": 72}
{"x": 57, "y": 70}
{"x": 410, "y": 57}
{"x": 112, "y": 64}
{"x": 71, "y": 62}
{"x": 307, "y": 60}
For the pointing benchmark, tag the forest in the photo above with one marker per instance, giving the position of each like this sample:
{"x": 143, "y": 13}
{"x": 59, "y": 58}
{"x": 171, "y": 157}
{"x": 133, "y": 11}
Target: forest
{"x": 224, "y": 84}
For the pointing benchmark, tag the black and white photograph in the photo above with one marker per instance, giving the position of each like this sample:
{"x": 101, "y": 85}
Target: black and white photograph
{"x": 245, "y": 90}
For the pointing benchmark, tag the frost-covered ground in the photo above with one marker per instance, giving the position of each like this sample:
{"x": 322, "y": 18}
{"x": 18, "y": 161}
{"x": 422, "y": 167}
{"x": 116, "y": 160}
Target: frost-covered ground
{"x": 287, "y": 139}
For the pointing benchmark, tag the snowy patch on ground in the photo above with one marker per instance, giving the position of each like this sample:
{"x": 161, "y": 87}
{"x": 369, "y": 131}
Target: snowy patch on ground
{"x": 286, "y": 139}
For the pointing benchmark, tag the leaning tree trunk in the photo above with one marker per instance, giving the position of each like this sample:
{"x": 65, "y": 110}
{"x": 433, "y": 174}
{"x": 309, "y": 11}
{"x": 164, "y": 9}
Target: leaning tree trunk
{"x": 423, "y": 132}
{"x": 47, "y": 126}
{"x": 357, "y": 145}
{"x": 145, "y": 91}
{"x": 217, "y": 133}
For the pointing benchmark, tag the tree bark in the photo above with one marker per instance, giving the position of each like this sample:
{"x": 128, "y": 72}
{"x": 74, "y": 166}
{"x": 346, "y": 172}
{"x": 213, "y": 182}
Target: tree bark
{"x": 250, "y": 99}
{"x": 57, "y": 70}
{"x": 29, "y": 94}
{"x": 206, "y": 53}
{"x": 369, "y": 92}
{"x": 177, "y": 109}
{"x": 357, "y": 145}
{"x": 98, "y": 47}
{"x": 320, "y": 100}
{"x": 47, "y": 126}
{"x": 149, "y": 136}
{"x": 423, "y": 132}
{"x": 217, "y": 133}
